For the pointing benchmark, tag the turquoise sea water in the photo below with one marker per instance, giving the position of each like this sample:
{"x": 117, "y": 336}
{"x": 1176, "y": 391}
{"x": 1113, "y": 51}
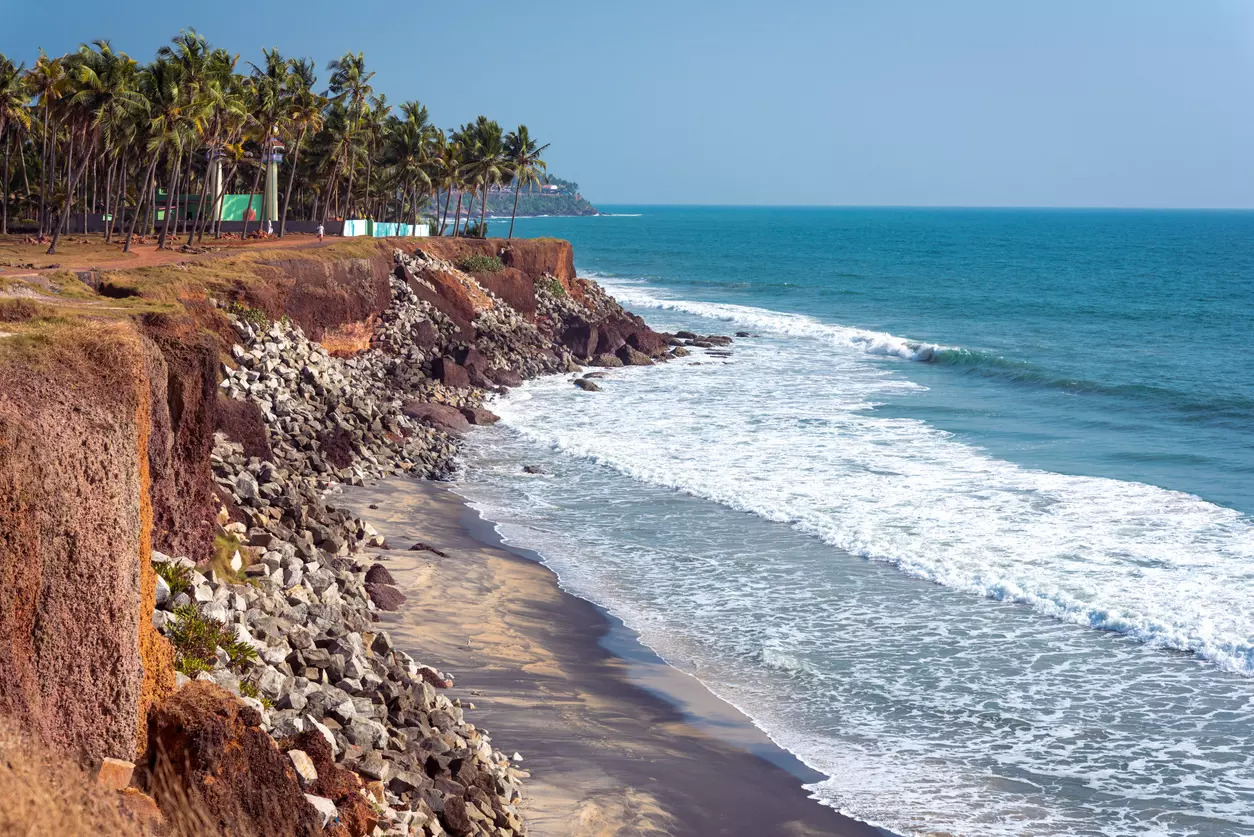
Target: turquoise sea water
{"x": 967, "y": 524}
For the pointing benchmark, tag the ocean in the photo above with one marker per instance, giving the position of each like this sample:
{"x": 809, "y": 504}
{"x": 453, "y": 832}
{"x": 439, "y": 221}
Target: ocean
{"x": 967, "y": 524}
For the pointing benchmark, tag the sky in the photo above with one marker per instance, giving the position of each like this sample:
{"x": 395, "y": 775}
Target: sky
{"x": 1128, "y": 103}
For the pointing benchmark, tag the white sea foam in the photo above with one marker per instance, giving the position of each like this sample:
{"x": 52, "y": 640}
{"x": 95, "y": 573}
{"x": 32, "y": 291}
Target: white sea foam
{"x": 791, "y": 437}
{"x": 637, "y": 297}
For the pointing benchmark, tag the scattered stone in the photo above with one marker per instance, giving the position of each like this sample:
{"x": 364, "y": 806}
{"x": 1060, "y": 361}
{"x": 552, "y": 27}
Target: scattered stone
{"x": 378, "y": 574}
{"x": 586, "y": 385}
{"x": 385, "y": 596}
{"x": 304, "y": 766}
{"x": 115, "y": 774}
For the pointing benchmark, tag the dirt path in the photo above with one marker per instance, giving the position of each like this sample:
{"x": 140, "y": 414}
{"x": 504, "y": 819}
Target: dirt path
{"x": 90, "y": 252}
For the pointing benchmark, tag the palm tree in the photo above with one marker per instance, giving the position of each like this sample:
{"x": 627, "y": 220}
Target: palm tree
{"x": 525, "y": 164}
{"x": 486, "y": 166}
{"x": 159, "y": 83}
{"x": 14, "y": 117}
{"x": 304, "y": 114}
{"x": 106, "y": 82}
{"x": 47, "y": 81}
{"x": 351, "y": 83}
{"x": 408, "y": 154}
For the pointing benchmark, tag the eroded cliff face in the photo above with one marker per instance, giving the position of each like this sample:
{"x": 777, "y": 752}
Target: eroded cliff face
{"x": 74, "y": 419}
{"x": 107, "y": 429}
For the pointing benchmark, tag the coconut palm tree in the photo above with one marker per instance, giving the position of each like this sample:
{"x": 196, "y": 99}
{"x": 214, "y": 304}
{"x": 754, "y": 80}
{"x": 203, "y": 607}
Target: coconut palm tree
{"x": 47, "y": 81}
{"x": 408, "y": 153}
{"x": 486, "y": 165}
{"x": 304, "y": 114}
{"x": 160, "y": 84}
{"x": 14, "y": 118}
{"x": 351, "y": 82}
{"x": 525, "y": 164}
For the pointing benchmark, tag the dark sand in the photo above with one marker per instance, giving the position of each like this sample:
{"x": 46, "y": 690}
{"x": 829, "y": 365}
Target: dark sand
{"x": 616, "y": 741}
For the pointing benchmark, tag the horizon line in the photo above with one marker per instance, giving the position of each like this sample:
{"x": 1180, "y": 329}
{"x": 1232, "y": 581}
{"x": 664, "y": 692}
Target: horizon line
{"x": 1095, "y": 207}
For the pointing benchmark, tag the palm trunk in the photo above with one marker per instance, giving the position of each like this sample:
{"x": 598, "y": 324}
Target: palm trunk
{"x": 483, "y": 212}
{"x": 169, "y": 199}
{"x": 252, "y": 191}
{"x": 139, "y": 204}
{"x": 70, "y": 187}
{"x": 119, "y": 201}
{"x": 200, "y": 204}
{"x": 4, "y": 214}
{"x": 457, "y": 213}
{"x": 43, "y": 175}
{"x": 514, "y": 214}
{"x": 448, "y": 196}
{"x": 226, "y": 188}
{"x": 326, "y": 210}
{"x": 291, "y": 180}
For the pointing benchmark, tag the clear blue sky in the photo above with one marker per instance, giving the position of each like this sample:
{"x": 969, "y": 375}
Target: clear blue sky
{"x": 962, "y": 102}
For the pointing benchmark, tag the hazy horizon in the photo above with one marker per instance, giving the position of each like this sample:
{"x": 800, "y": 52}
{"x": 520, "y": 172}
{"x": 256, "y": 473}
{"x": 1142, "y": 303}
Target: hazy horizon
{"x": 974, "y": 104}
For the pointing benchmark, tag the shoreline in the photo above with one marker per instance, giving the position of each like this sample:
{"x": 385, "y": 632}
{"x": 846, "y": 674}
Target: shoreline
{"x": 617, "y": 741}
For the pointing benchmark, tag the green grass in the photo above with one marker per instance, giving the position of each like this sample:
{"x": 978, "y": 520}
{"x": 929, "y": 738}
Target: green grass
{"x": 479, "y": 263}
{"x": 224, "y": 546}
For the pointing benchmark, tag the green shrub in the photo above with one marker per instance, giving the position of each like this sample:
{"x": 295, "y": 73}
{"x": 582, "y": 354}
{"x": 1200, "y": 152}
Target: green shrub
{"x": 479, "y": 263}
{"x": 178, "y": 577}
{"x": 254, "y": 316}
{"x": 551, "y": 285}
{"x": 474, "y": 229}
{"x": 196, "y": 639}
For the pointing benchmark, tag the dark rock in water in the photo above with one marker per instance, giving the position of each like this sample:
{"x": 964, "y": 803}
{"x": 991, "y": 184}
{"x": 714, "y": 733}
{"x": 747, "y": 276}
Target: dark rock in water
{"x": 647, "y": 342}
{"x": 633, "y": 357}
{"x": 533, "y": 469}
{"x": 585, "y": 384}
{"x": 450, "y": 373}
{"x": 743, "y": 334}
{"x": 718, "y": 340}
{"x": 581, "y": 339}
{"x": 607, "y": 360}
{"x": 423, "y": 547}
{"x": 214, "y": 751}
{"x": 378, "y": 574}
{"x": 505, "y": 377}
{"x": 374, "y": 505}
{"x": 597, "y": 375}
{"x": 479, "y": 416}
{"x": 443, "y": 416}
{"x": 385, "y": 596}
{"x": 685, "y": 335}
{"x": 610, "y": 340}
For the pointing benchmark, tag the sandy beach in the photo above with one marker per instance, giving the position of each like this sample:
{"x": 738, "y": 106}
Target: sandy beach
{"x": 616, "y": 742}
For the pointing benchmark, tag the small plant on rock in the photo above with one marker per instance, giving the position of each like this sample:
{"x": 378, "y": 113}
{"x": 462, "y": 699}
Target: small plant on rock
{"x": 479, "y": 263}
{"x": 197, "y": 637}
{"x": 225, "y": 545}
{"x": 177, "y": 576}
{"x": 551, "y": 285}
{"x": 253, "y": 316}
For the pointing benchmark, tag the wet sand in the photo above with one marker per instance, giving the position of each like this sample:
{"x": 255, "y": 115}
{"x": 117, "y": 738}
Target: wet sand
{"x": 616, "y": 741}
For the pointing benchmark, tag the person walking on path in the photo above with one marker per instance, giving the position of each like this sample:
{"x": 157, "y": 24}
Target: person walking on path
{"x": 320, "y": 232}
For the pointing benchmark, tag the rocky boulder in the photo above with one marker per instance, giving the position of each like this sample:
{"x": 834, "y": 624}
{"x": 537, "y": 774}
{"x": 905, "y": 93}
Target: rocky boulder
{"x": 450, "y": 373}
{"x": 581, "y": 339}
{"x": 385, "y": 596}
{"x": 442, "y": 416}
{"x": 479, "y": 416}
